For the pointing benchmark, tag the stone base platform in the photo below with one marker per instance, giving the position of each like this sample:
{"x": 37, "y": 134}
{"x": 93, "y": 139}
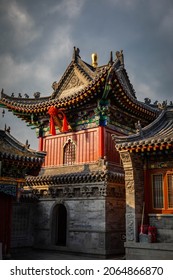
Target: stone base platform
{"x": 148, "y": 251}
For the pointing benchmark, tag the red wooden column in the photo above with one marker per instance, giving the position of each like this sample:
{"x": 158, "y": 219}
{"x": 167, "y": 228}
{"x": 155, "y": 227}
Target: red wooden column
{"x": 40, "y": 145}
{"x": 147, "y": 193}
{"x": 101, "y": 141}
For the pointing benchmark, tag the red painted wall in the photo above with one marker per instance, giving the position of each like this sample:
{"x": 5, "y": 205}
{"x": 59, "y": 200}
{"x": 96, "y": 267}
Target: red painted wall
{"x": 91, "y": 144}
{"x": 111, "y": 154}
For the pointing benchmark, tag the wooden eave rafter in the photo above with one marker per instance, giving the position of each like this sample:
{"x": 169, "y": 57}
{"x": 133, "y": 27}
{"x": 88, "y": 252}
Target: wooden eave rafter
{"x": 21, "y": 160}
{"x": 73, "y": 178}
{"x": 148, "y": 148}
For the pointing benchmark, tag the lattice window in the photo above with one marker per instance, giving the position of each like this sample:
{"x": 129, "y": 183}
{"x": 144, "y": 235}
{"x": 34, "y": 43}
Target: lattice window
{"x": 69, "y": 156}
{"x": 170, "y": 190}
{"x": 162, "y": 192}
{"x": 158, "y": 191}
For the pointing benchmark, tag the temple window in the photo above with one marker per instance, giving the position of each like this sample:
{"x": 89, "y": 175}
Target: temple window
{"x": 170, "y": 190}
{"x": 162, "y": 192}
{"x": 158, "y": 191}
{"x": 69, "y": 153}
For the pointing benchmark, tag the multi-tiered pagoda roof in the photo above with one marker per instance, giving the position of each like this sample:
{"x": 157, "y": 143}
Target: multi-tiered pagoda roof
{"x": 80, "y": 85}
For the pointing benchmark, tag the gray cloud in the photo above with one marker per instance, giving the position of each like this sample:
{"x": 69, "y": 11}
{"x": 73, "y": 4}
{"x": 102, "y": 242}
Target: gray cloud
{"x": 37, "y": 39}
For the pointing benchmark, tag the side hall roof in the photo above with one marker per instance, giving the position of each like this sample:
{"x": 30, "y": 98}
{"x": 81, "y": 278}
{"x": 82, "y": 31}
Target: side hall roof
{"x": 156, "y": 135}
{"x": 14, "y": 152}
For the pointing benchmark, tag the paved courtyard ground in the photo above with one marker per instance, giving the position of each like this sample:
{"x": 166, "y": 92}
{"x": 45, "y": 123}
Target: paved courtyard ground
{"x": 35, "y": 254}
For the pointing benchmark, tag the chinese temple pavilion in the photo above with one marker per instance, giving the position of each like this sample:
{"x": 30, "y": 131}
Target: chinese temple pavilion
{"x": 147, "y": 157}
{"x": 80, "y": 187}
{"x": 16, "y": 161}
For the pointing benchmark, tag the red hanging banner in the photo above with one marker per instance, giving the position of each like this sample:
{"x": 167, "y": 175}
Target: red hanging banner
{"x": 52, "y": 126}
{"x": 65, "y": 124}
{"x": 52, "y": 112}
{"x": 57, "y": 117}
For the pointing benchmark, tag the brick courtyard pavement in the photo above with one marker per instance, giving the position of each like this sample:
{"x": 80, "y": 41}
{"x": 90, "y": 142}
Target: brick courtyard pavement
{"x": 36, "y": 254}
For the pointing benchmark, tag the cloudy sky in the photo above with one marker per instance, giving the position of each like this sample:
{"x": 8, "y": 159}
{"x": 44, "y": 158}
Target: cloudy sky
{"x": 37, "y": 40}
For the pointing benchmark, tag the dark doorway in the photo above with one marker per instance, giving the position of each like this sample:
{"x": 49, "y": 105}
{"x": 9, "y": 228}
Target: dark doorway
{"x": 59, "y": 225}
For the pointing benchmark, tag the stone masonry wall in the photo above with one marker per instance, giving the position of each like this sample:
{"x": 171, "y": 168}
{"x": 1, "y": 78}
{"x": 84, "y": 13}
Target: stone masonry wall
{"x": 164, "y": 226}
{"x": 95, "y": 218}
{"x": 22, "y": 224}
{"x": 134, "y": 186}
{"x": 115, "y": 221}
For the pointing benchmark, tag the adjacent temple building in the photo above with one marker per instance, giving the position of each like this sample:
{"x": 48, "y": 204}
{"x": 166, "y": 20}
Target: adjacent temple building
{"x": 83, "y": 187}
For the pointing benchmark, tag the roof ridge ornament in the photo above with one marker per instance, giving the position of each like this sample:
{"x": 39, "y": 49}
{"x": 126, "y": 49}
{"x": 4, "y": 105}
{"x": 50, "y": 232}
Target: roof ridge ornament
{"x": 94, "y": 59}
{"x": 7, "y": 129}
{"x": 2, "y": 93}
{"x": 3, "y": 113}
{"x": 120, "y": 57}
{"x": 162, "y": 105}
{"x": 27, "y": 145}
{"x": 76, "y": 52}
{"x": 111, "y": 58}
{"x": 139, "y": 128}
{"x": 37, "y": 95}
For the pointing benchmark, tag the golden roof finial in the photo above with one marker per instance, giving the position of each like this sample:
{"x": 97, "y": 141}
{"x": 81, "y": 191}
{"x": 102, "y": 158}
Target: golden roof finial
{"x": 94, "y": 60}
